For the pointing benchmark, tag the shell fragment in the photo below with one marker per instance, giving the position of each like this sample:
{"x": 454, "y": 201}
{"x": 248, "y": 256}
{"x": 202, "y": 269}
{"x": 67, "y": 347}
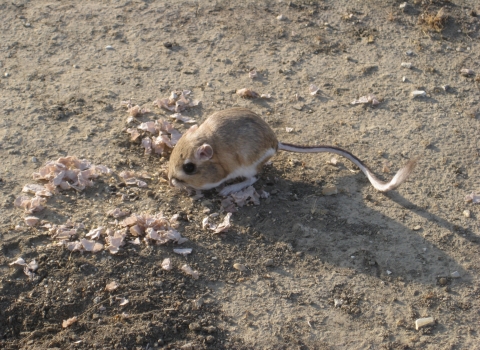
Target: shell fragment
{"x": 422, "y": 322}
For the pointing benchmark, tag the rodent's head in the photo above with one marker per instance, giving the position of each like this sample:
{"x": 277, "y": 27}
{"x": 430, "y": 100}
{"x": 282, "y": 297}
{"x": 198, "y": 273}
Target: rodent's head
{"x": 193, "y": 163}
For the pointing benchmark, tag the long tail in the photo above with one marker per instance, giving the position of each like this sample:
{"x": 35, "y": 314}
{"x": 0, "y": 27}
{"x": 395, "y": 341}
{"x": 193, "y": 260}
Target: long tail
{"x": 381, "y": 186}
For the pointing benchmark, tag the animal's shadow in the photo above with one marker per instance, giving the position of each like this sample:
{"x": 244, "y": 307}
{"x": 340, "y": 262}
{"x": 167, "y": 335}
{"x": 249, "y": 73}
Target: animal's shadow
{"x": 348, "y": 231}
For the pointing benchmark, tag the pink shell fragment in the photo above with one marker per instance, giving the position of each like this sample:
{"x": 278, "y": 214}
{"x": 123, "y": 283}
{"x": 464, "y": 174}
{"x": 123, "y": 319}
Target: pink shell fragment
{"x": 183, "y": 251}
{"x": 313, "y": 89}
{"x": 69, "y": 322}
{"x": 366, "y": 99}
{"x": 247, "y": 93}
{"x": 118, "y": 213}
{"x": 189, "y": 271}
{"x": 472, "y": 198}
{"x": 31, "y": 220}
{"x": 225, "y": 225}
{"x": 166, "y": 264}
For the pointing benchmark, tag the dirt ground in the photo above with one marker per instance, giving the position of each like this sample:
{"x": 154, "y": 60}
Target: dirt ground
{"x": 347, "y": 271}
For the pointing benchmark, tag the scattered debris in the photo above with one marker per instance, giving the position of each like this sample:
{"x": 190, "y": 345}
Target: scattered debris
{"x": 177, "y": 102}
{"x": 184, "y": 251}
{"x": 91, "y": 246}
{"x": 134, "y": 111}
{"x": 366, "y": 100}
{"x": 19, "y": 262}
{"x": 434, "y": 22}
{"x": 131, "y": 178}
{"x": 313, "y": 89}
{"x": 418, "y": 93}
{"x": 422, "y": 322}
{"x": 239, "y": 267}
{"x": 167, "y": 264}
{"x": 225, "y": 225}
{"x": 472, "y": 198}
{"x": 30, "y": 205}
{"x": 118, "y": 213}
{"x": 31, "y": 221}
{"x": 406, "y": 65}
{"x": 467, "y": 72}
{"x": 69, "y": 322}
{"x": 123, "y": 301}
{"x": 180, "y": 118}
{"x": 248, "y": 93}
{"x": 189, "y": 271}
{"x": 111, "y": 286}
{"x": 37, "y": 190}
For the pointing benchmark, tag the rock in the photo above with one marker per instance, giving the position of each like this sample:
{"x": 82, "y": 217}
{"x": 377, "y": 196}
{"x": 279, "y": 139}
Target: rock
{"x": 406, "y": 65}
{"x": 417, "y": 228}
{"x": 419, "y": 93}
{"x": 108, "y": 47}
{"x": 442, "y": 281}
{"x": 455, "y": 274}
{"x": 467, "y": 213}
{"x": 422, "y": 322}
{"x": 239, "y": 267}
{"x": 338, "y": 302}
{"x": 281, "y": 17}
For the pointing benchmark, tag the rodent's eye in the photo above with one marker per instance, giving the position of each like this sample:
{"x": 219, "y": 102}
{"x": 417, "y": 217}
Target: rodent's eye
{"x": 189, "y": 168}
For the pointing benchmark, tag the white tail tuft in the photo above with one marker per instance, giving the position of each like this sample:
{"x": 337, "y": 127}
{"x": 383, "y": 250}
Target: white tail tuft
{"x": 379, "y": 185}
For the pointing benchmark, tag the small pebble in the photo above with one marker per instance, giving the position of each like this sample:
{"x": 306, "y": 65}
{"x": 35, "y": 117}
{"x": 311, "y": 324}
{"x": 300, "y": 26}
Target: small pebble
{"x": 281, "y": 17}
{"x": 239, "y": 267}
{"x": 422, "y": 322}
{"x": 442, "y": 281}
{"x": 419, "y": 93}
{"x": 338, "y": 302}
{"x": 455, "y": 274}
{"x": 467, "y": 213}
{"x": 168, "y": 45}
{"x": 403, "y": 6}
{"x": 416, "y": 228}
{"x": 6, "y": 75}
{"x": 75, "y": 66}
{"x": 404, "y": 79}
{"x": 108, "y": 47}
{"x": 28, "y": 25}
{"x": 409, "y": 53}
{"x": 406, "y": 65}
{"x": 34, "y": 160}
{"x": 389, "y": 272}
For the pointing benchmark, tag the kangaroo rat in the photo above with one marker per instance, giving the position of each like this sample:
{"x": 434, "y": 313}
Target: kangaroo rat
{"x": 236, "y": 143}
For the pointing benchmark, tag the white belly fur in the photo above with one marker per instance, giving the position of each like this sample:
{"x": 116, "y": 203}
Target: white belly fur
{"x": 244, "y": 171}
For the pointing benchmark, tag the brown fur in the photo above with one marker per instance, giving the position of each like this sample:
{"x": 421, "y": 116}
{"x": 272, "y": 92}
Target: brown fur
{"x": 225, "y": 131}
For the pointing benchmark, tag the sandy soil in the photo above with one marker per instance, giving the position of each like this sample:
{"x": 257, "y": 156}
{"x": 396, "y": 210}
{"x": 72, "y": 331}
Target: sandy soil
{"x": 348, "y": 271}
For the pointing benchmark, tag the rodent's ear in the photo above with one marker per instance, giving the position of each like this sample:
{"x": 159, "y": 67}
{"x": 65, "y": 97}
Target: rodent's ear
{"x": 204, "y": 152}
{"x": 192, "y": 128}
